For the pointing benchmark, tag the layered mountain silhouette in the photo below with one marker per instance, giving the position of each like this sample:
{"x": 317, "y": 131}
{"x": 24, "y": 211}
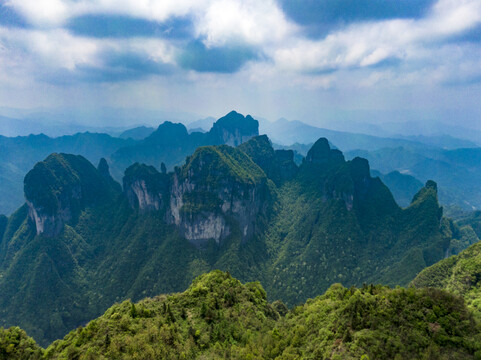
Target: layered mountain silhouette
{"x": 82, "y": 242}
{"x": 456, "y": 171}
{"x": 170, "y": 144}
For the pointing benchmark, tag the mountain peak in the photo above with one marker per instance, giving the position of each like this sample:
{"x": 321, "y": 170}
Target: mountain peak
{"x": 103, "y": 168}
{"x": 57, "y": 188}
{"x": 360, "y": 168}
{"x": 321, "y": 153}
{"x": 430, "y": 184}
{"x": 233, "y": 129}
{"x": 168, "y": 133}
{"x": 278, "y": 165}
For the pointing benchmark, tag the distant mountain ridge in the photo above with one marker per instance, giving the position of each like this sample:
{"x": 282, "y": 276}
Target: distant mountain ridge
{"x": 21, "y": 153}
{"x": 171, "y": 142}
{"x": 458, "y": 171}
{"x": 287, "y": 132}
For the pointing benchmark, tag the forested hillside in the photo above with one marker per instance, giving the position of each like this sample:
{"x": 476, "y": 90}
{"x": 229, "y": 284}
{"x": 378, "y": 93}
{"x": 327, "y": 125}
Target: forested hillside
{"x": 83, "y": 242}
{"x": 217, "y": 317}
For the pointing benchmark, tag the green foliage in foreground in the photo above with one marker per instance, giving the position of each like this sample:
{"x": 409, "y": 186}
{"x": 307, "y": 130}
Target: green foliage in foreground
{"x": 459, "y": 274}
{"x": 15, "y": 344}
{"x": 219, "y": 318}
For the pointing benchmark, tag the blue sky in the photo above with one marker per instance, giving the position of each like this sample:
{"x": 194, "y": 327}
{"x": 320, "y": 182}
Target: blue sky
{"x": 311, "y": 60}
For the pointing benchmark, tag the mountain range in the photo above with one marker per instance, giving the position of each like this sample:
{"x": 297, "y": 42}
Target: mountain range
{"x": 422, "y": 157}
{"x": 82, "y": 241}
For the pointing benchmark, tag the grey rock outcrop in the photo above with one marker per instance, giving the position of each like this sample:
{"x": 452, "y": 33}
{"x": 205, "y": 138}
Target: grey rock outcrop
{"x": 210, "y": 197}
{"x": 146, "y": 189}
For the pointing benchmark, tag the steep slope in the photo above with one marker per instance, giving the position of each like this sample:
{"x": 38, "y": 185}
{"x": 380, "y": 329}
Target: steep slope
{"x": 19, "y": 155}
{"x": 402, "y": 186}
{"x": 83, "y": 244}
{"x": 42, "y": 256}
{"x": 59, "y": 188}
{"x": 216, "y": 184}
{"x": 217, "y": 317}
{"x": 458, "y": 274}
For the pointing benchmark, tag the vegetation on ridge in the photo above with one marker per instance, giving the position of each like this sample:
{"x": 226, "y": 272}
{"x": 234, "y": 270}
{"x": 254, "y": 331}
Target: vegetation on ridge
{"x": 217, "y": 317}
{"x": 328, "y": 222}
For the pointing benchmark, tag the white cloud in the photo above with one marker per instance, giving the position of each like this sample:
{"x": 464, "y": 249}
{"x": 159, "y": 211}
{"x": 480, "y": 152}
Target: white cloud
{"x": 367, "y": 44}
{"x": 54, "y": 48}
{"x": 250, "y": 21}
{"x": 42, "y": 12}
{"x": 37, "y": 54}
{"x": 218, "y": 21}
{"x": 345, "y": 59}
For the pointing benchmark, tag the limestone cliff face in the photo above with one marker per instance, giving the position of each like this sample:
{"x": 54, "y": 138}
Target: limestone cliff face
{"x": 48, "y": 223}
{"x": 57, "y": 188}
{"x": 146, "y": 188}
{"x": 219, "y": 191}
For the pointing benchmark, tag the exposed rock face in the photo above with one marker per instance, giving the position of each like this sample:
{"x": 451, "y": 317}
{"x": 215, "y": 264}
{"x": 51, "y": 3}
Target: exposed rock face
{"x": 57, "y": 188}
{"x": 234, "y": 129}
{"x": 49, "y": 225}
{"x": 146, "y": 188}
{"x": 200, "y": 228}
{"x": 218, "y": 191}
{"x": 211, "y": 190}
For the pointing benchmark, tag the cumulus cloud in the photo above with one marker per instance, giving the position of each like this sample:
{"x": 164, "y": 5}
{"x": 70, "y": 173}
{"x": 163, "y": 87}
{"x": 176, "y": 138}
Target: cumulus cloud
{"x": 271, "y": 44}
{"x": 369, "y": 43}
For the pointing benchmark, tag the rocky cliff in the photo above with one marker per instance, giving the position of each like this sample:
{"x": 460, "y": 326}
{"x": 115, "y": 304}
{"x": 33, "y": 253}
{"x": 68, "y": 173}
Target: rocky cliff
{"x": 146, "y": 189}
{"x": 218, "y": 191}
{"x": 57, "y": 188}
{"x": 217, "y": 185}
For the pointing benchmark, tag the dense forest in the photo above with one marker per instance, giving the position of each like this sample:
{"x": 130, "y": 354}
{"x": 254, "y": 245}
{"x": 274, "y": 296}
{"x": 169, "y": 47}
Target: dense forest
{"x": 83, "y": 242}
{"x": 217, "y": 317}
